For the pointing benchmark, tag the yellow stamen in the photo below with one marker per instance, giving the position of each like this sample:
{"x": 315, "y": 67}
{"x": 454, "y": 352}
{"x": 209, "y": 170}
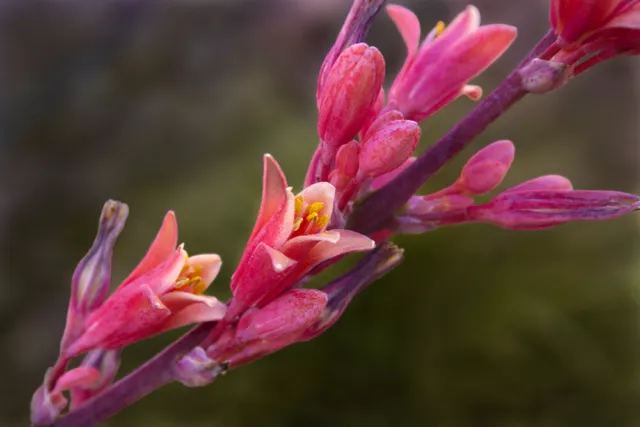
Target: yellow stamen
{"x": 315, "y": 207}
{"x": 439, "y": 28}
{"x": 298, "y": 205}
{"x": 296, "y": 224}
{"x": 322, "y": 221}
{"x": 312, "y": 217}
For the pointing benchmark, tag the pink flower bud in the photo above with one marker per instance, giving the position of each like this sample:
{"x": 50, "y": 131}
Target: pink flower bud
{"x": 546, "y": 182}
{"x": 388, "y": 147}
{"x": 346, "y": 166}
{"x": 437, "y": 209}
{"x": 533, "y": 210}
{"x": 349, "y": 94}
{"x": 487, "y": 168}
{"x": 540, "y": 76}
{"x": 381, "y": 121}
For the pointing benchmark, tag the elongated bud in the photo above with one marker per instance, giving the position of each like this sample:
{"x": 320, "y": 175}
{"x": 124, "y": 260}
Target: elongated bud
{"x": 389, "y": 147}
{"x": 351, "y": 90}
{"x": 487, "y": 168}
{"x": 340, "y": 292}
{"x": 196, "y": 369}
{"x": 546, "y": 182}
{"x": 346, "y": 165}
{"x": 90, "y": 283}
{"x": 92, "y": 277}
{"x": 532, "y": 210}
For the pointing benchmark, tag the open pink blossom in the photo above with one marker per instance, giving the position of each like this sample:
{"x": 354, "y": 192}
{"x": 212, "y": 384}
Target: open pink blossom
{"x": 164, "y": 291}
{"x": 437, "y": 72}
{"x": 290, "y": 238}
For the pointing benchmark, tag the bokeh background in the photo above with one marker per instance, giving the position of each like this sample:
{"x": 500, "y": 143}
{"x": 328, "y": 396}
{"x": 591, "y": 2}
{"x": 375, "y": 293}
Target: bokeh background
{"x": 170, "y": 104}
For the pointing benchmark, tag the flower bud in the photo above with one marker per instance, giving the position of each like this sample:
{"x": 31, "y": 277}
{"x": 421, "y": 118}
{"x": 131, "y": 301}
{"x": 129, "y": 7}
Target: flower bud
{"x": 540, "y": 76}
{"x": 386, "y": 178}
{"x": 388, "y": 147}
{"x": 486, "y": 169}
{"x": 196, "y": 369}
{"x": 346, "y": 166}
{"x": 350, "y": 92}
{"x": 546, "y": 182}
{"x": 534, "y": 210}
{"x": 92, "y": 277}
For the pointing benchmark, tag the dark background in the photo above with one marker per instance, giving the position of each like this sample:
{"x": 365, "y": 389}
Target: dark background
{"x": 170, "y": 104}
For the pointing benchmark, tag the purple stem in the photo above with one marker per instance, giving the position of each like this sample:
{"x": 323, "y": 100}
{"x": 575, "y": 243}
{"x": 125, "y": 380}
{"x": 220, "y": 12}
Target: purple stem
{"x": 377, "y": 211}
{"x": 147, "y": 378}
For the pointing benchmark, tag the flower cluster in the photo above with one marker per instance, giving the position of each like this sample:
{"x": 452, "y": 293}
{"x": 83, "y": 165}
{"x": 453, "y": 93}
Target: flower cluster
{"x": 367, "y": 140}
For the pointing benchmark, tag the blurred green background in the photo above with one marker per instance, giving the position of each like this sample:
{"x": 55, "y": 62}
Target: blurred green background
{"x": 169, "y": 105}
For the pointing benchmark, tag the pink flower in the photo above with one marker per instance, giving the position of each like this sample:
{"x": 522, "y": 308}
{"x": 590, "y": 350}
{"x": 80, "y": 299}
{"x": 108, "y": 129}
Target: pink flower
{"x": 289, "y": 239}
{"x": 579, "y": 22}
{"x": 437, "y": 72}
{"x": 164, "y": 291}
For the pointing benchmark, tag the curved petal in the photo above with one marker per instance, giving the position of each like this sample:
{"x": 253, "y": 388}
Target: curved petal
{"x": 350, "y": 241}
{"x": 161, "y": 248}
{"x": 188, "y": 308}
{"x": 274, "y": 186}
{"x": 161, "y": 278}
{"x": 82, "y": 376}
{"x": 298, "y": 247}
{"x": 408, "y": 26}
{"x": 209, "y": 264}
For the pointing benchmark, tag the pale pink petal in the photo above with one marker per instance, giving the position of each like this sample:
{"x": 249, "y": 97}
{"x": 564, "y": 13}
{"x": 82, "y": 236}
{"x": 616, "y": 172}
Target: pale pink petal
{"x": 322, "y": 192}
{"x": 350, "y": 241}
{"x": 163, "y": 277}
{"x": 464, "y": 24}
{"x": 298, "y": 247}
{"x": 161, "y": 248}
{"x": 629, "y": 19}
{"x": 210, "y": 266}
{"x": 274, "y": 194}
{"x": 187, "y": 308}
{"x": 408, "y": 25}
{"x": 82, "y": 376}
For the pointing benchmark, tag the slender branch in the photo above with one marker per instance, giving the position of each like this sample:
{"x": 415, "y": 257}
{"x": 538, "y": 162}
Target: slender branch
{"x": 147, "y": 378}
{"x": 377, "y": 210}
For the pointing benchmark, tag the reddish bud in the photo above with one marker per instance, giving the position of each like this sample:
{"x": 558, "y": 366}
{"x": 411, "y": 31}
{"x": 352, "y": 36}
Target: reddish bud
{"x": 349, "y": 94}
{"x": 487, "y": 168}
{"x": 546, "y": 182}
{"x": 388, "y": 147}
{"x": 346, "y": 166}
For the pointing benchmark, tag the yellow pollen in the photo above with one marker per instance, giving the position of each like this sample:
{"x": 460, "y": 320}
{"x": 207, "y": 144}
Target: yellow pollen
{"x": 296, "y": 224}
{"x": 322, "y": 221}
{"x": 439, "y": 28}
{"x": 315, "y": 207}
{"x": 312, "y": 217}
{"x": 298, "y": 205}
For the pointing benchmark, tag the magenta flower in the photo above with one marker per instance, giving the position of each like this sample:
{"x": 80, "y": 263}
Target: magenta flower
{"x": 437, "y": 72}
{"x": 163, "y": 292}
{"x": 290, "y": 238}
